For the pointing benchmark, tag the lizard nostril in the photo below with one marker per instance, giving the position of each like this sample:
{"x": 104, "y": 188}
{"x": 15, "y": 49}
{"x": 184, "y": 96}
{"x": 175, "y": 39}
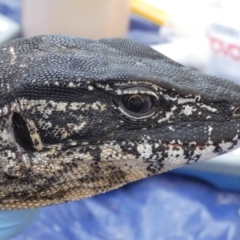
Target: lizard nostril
{"x": 236, "y": 111}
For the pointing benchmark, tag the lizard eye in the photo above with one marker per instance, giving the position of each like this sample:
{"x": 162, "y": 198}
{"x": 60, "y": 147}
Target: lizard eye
{"x": 137, "y": 103}
{"x": 21, "y": 132}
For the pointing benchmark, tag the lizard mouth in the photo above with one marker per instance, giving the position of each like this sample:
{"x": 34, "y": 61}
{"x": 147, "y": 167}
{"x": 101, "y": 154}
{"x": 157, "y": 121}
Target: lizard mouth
{"x": 193, "y": 152}
{"x": 221, "y": 147}
{"x": 193, "y": 146}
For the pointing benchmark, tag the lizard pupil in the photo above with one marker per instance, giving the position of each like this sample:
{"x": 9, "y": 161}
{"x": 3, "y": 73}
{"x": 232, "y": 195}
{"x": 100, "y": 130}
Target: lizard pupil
{"x": 137, "y": 103}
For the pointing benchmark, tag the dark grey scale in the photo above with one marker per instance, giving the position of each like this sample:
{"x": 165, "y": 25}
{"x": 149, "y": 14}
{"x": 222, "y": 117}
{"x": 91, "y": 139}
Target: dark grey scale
{"x": 218, "y": 149}
{"x": 234, "y": 143}
{"x": 193, "y": 159}
{"x": 154, "y": 167}
{"x": 131, "y": 148}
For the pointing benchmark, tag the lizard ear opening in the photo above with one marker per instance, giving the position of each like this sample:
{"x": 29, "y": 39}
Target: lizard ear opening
{"x": 21, "y": 132}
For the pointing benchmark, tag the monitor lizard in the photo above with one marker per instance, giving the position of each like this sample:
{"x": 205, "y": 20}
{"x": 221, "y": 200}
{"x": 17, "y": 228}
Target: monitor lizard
{"x": 81, "y": 117}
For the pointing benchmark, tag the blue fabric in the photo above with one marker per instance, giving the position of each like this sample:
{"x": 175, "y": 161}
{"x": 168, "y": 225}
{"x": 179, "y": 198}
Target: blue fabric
{"x": 13, "y": 222}
{"x": 167, "y": 206}
{"x": 228, "y": 182}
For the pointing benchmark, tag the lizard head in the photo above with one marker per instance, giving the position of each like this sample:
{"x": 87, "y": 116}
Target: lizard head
{"x": 81, "y": 117}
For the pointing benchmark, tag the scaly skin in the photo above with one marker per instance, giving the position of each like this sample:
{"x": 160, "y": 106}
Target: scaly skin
{"x": 81, "y": 117}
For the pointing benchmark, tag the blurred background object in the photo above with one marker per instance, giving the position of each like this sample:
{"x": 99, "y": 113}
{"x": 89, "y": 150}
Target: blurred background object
{"x": 223, "y": 34}
{"x": 90, "y": 19}
{"x": 9, "y": 20}
{"x": 149, "y": 11}
{"x": 9, "y": 29}
{"x": 210, "y": 27}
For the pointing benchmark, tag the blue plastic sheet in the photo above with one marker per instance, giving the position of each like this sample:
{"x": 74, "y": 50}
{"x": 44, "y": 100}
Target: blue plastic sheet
{"x": 164, "y": 207}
